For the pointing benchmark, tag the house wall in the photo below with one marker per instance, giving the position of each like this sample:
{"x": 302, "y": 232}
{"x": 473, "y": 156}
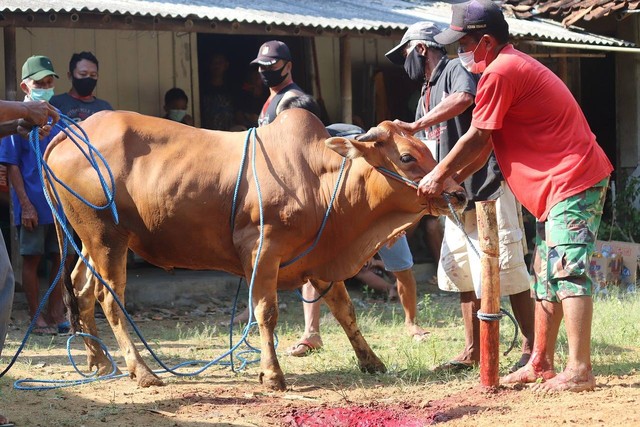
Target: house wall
{"x": 136, "y": 67}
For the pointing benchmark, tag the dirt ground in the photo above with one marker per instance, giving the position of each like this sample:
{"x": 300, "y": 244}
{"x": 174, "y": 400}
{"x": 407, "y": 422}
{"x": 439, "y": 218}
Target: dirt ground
{"x": 318, "y": 394}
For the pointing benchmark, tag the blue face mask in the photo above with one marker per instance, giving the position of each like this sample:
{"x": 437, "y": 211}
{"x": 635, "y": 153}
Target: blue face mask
{"x": 38, "y": 94}
{"x": 177, "y": 115}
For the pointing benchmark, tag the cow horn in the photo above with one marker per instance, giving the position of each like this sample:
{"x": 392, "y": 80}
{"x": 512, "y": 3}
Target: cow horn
{"x": 374, "y": 134}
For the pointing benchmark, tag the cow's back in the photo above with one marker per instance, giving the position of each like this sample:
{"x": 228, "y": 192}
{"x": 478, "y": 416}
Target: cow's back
{"x": 172, "y": 184}
{"x": 175, "y": 186}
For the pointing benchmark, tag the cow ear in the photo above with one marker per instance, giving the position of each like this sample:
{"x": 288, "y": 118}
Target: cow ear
{"x": 345, "y": 147}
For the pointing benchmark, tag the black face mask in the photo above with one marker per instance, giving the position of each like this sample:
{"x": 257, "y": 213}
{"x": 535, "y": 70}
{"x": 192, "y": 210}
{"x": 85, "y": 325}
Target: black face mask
{"x": 85, "y": 86}
{"x": 272, "y": 78}
{"x": 414, "y": 65}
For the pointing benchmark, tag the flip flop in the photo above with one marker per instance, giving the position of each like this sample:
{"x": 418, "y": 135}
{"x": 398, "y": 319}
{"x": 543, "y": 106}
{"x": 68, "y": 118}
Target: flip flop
{"x": 303, "y": 348}
{"x": 454, "y": 366}
{"x": 45, "y": 330}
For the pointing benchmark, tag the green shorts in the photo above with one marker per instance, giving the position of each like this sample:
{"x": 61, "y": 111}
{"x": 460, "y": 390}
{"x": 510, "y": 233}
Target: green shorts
{"x": 41, "y": 241}
{"x": 564, "y": 245}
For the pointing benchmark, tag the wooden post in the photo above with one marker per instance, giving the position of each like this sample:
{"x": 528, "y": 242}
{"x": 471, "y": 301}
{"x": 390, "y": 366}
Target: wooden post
{"x": 345, "y": 79}
{"x": 490, "y": 301}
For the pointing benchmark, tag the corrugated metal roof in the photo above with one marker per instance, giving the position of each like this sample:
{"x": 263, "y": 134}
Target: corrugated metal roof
{"x": 571, "y": 11}
{"x": 328, "y": 14}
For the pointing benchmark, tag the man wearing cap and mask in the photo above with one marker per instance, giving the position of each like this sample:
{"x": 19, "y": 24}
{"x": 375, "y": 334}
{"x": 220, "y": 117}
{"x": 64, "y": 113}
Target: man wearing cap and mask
{"x": 80, "y": 102}
{"x": 556, "y": 169}
{"x": 32, "y": 214}
{"x": 274, "y": 65}
{"x": 443, "y": 114}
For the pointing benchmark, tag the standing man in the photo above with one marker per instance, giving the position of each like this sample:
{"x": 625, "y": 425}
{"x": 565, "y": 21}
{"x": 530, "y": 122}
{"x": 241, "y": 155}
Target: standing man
{"x": 553, "y": 164}
{"x": 445, "y": 110}
{"x": 79, "y": 103}
{"x": 32, "y": 214}
{"x": 274, "y": 66}
{"x": 35, "y": 113}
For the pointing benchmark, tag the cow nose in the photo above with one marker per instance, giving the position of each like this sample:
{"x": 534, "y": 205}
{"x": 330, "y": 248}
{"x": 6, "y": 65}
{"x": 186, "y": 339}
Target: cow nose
{"x": 460, "y": 196}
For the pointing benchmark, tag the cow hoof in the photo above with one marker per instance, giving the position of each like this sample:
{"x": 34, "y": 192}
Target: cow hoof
{"x": 373, "y": 367}
{"x": 150, "y": 380}
{"x": 273, "y": 382}
{"x": 105, "y": 370}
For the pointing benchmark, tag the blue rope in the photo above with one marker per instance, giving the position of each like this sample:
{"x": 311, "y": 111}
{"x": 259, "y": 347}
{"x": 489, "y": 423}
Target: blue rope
{"x": 324, "y": 220}
{"x": 60, "y": 217}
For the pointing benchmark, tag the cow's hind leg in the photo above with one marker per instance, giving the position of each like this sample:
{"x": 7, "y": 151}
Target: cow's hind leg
{"x": 111, "y": 264}
{"x": 84, "y": 290}
{"x": 339, "y": 302}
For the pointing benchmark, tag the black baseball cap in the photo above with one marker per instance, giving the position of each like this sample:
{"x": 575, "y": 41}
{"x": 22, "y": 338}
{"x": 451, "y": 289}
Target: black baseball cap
{"x": 423, "y": 30}
{"x": 271, "y": 51}
{"x": 472, "y": 16}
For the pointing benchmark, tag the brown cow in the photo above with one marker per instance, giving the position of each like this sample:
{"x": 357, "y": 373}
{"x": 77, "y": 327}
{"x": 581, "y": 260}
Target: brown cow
{"x": 174, "y": 188}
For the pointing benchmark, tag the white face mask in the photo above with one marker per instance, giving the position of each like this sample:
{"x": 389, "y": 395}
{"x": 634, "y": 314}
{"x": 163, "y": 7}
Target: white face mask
{"x": 38, "y": 94}
{"x": 469, "y": 63}
{"x": 177, "y": 115}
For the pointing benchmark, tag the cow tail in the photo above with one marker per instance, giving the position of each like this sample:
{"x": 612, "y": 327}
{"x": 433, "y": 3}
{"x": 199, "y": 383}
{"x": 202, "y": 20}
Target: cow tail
{"x": 68, "y": 294}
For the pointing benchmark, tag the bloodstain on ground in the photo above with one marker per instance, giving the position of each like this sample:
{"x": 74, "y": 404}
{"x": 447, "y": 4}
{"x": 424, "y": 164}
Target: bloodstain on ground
{"x": 404, "y": 415}
{"x": 356, "y": 416}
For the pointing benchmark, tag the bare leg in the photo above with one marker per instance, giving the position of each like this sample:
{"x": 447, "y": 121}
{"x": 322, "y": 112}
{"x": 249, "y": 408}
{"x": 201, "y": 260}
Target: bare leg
{"x": 548, "y": 316}
{"x": 373, "y": 281}
{"x": 577, "y": 375}
{"x": 470, "y": 305}
{"x": 56, "y": 305}
{"x": 31, "y": 286}
{"x": 406, "y": 284}
{"x": 311, "y": 339}
{"x": 523, "y": 310}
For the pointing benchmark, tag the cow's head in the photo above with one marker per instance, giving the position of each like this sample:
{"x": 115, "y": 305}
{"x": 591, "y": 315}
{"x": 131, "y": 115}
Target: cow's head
{"x": 401, "y": 157}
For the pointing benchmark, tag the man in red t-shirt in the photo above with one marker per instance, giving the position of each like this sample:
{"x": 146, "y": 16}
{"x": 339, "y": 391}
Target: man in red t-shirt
{"x": 551, "y": 161}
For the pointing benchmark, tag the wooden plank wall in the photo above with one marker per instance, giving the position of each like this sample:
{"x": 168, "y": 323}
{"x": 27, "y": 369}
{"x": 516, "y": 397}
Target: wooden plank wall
{"x": 136, "y": 67}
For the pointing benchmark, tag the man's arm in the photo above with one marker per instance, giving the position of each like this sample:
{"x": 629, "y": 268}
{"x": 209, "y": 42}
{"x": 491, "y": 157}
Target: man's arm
{"x": 450, "y": 107}
{"x": 474, "y": 166}
{"x": 29, "y": 218}
{"x": 36, "y": 112}
{"x": 465, "y": 152}
{"x": 8, "y": 128}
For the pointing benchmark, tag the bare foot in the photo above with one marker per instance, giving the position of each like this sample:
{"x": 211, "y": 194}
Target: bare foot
{"x": 567, "y": 380}
{"x": 527, "y": 374}
{"x": 305, "y": 345}
{"x": 242, "y": 317}
{"x": 417, "y": 332}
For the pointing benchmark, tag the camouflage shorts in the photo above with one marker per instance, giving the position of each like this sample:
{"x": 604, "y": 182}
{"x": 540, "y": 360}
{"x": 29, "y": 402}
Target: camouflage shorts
{"x": 565, "y": 243}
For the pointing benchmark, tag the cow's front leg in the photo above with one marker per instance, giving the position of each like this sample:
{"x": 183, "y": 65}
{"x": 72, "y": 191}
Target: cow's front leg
{"x": 265, "y": 301}
{"x": 339, "y": 302}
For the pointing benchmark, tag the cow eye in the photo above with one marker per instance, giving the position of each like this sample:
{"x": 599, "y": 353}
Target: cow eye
{"x": 406, "y": 158}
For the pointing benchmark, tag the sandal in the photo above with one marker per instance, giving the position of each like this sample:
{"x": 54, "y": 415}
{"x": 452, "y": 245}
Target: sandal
{"x": 44, "y": 330}
{"x": 303, "y": 348}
